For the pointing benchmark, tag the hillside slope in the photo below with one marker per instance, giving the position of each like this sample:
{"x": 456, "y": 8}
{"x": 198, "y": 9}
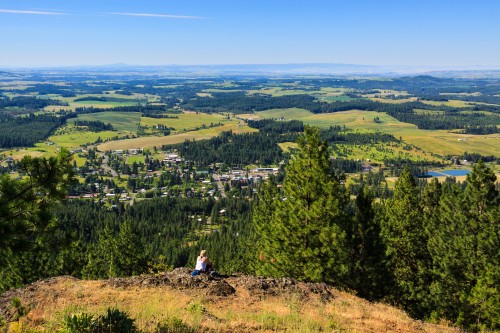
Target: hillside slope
{"x": 237, "y": 303}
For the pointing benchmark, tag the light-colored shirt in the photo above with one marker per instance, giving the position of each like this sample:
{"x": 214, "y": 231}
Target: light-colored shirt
{"x": 201, "y": 265}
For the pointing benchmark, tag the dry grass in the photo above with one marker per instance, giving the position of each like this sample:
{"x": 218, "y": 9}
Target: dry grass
{"x": 241, "y": 312}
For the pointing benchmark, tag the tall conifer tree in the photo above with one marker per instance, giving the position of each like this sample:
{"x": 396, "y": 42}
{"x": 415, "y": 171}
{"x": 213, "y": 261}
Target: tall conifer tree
{"x": 307, "y": 225}
{"x": 465, "y": 246}
{"x": 406, "y": 241}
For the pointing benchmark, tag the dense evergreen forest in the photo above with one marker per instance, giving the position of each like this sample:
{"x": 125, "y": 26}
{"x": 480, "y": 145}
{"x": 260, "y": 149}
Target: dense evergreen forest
{"x": 430, "y": 248}
{"x": 26, "y": 131}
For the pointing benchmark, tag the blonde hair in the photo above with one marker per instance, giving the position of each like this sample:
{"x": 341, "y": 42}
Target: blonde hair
{"x": 203, "y": 253}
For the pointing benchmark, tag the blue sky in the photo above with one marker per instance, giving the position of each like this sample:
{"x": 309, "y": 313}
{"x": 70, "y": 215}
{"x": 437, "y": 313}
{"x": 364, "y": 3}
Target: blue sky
{"x": 163, "y": 32}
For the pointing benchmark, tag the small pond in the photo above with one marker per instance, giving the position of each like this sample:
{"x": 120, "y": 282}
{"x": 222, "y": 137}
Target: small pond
{"x": 443, "y": 173}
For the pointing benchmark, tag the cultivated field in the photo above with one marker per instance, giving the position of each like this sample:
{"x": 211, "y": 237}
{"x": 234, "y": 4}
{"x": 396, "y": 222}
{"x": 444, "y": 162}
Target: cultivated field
{"x": 158, "y": 141}
{"x": 437, "y": 141}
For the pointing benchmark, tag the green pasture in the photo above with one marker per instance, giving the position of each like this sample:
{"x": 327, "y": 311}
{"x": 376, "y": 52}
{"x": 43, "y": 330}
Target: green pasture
{"x": 121, "y": 121}
{"x": 73, "y": 139}
{"x": 135, "y": 158}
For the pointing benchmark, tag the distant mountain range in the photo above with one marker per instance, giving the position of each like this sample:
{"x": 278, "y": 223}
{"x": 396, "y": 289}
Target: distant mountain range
{"x": 279, "y": 70}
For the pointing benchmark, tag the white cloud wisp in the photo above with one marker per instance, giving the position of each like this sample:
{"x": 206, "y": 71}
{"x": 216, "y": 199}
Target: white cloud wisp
{"x": 29, "y": 12}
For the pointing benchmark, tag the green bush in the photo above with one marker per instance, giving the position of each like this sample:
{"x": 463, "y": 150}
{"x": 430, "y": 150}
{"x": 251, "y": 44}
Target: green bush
{"x": 114, "y": 321}
{"x": 81, "y": 323}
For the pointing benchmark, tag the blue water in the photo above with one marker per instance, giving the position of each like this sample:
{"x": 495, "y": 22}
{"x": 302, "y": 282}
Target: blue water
{"x": 453, "y": 173}
{"x": 456, "y": 172}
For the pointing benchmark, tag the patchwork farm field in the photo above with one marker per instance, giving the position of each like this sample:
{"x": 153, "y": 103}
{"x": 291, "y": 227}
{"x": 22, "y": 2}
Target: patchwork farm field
{"x": 437, "y": 141}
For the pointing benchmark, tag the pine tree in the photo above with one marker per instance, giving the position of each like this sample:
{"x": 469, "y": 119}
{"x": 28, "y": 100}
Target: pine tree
{"x": 404, "y": 232}
{"x": 465, "y": 249}
{"x": 367, "y": 270}
{"x": 25, "y": 204}
{"x": 307, "y": 239}
{"x": 114, "y": 255}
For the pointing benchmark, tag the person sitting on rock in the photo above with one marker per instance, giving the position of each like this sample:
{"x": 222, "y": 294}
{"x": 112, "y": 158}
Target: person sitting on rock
{"x": 203, "y": 264}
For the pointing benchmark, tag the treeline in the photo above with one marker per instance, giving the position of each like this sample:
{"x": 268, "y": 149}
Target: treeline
{"x": 240, "y": 102}
{"x": 280, "y": 127}
{"x": 145, "y": 109}
{"x": 481, "y": 129}
{"x": 94, "y": 125}
{"x": 28, "y": 102}
{"x": 26, "y": 131}
{"x": 338, "y": 134}
{"x": 475, "y": 157}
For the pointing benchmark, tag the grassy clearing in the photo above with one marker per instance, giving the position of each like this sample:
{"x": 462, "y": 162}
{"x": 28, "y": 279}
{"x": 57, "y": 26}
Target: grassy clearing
{"x": 136, "y": 158}
{"x": 158, "y": 141}
{"x": 438, "y": 141}
{"x": 288, "y": 146}
{"x": 70, "y": 138}
{"x": 121, "y": 121}
{"x": 188, "y": 120}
